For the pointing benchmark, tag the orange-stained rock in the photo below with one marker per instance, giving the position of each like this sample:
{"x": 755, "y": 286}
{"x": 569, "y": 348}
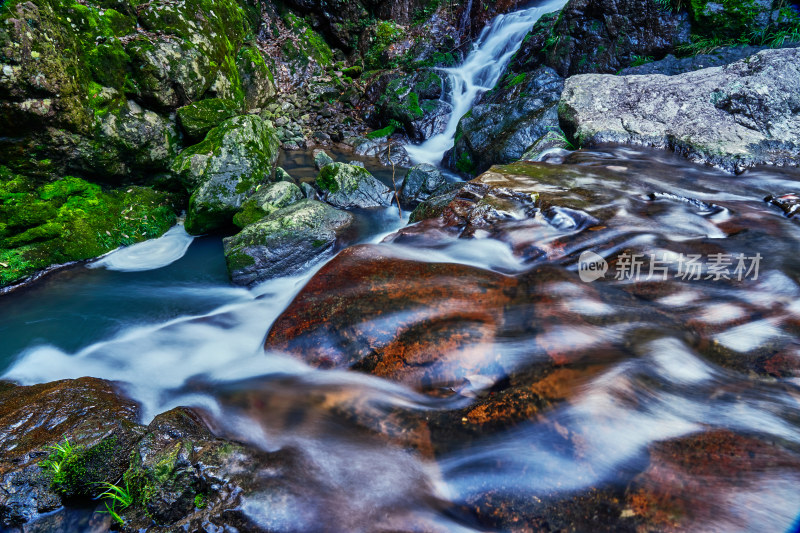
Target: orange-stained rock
{"x": 692, "y": 480}
{"x": 428, "y": 325}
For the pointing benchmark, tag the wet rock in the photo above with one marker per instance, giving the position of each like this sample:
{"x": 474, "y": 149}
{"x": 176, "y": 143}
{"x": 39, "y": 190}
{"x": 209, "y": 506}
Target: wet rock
{"x": 671, "y": 65}
{"x": 321, "y": 159}
{"x": 224, "y": 169}
{"x": 286, "y": 242}
{"x": 506, "y": 122}
{"x": 98, "y": 424}
{"x": 199, "y": 118}
{"x": 718, "y": 463}
{"x": 347, "y": 186}
{"x": 420, "y": 183}
{"x": 731, "y": 117}
{"x": 266, "y": 200}
{"x": 552, "y": 142}
{"x": 395, "y": 154}
{"x": 282, "y": 175}
{"x": 434, "y": 206}
{"x": 309, "y": 191}
{"x": 415, "y": 102}
{"x": 788, "y": 203}
{"x": 422, "y": 324}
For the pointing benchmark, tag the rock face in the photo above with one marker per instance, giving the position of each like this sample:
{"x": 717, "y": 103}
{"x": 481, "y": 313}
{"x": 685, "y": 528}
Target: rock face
{"x": 731, "y": 117}
{"x": 414, "y": 101}
{"x": 235, "y": 157}
{"x": 420, "y": 183}
{"x": 601, "y": 36}
{"x": 284, "y": 243}
{"x": 349, "y": 186}
{"x": 507, "y": 121}
{"x": 99, "y": 425}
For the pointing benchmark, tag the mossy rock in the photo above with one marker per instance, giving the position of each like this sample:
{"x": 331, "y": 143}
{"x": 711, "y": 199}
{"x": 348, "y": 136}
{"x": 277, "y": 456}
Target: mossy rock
{"x": 258, "y": 84}
{"x": 266, "y": 200}
{"x": 284, "y": 243}
{"x": 224, "y": 169}
{"x": 350, "y": 186}
{"x": 42, "y": 224}
{"x": 731, "y": 18}
{"x": 199, "y": 118}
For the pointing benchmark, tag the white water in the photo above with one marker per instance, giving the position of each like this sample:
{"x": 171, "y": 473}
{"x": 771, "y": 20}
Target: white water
{"x": 480, "y": 72}
{"x": 148, "y": 255}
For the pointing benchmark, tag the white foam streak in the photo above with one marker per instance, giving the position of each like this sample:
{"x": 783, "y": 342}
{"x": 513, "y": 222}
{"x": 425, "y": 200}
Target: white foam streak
{"x": 148, "y": 255}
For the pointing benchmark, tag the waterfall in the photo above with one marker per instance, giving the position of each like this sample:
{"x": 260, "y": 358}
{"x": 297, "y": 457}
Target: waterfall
{"x": 480, "y": 72}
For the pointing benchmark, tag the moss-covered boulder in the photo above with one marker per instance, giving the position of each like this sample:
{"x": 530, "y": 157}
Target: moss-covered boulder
{"x": 42, "y": 80}
{"x": 266, "y": 200}
{"x": 70, "y": 219}
{"x": 285, "y": 243}
{"x": 349, "y": 186}
{"x": 224, "y": 169}
{"x": 258, "y": 84}
{"x": 198, "y": 118}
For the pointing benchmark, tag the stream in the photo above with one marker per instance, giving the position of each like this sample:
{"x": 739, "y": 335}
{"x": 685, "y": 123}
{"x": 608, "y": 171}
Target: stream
{"x": 652, "y": 394}
{"x": 642, "y": 359}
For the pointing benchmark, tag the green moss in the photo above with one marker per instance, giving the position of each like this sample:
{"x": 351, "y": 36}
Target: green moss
{"x": 201, "y": 501}
{"x": 384, "y": 34}
{"x": 199, "y": 118}
{"x": 83, "y": 469}
{"x": 379, "y": 134}
{"x": 327, "y": 179}
{"x": 71, "y": 219}
{"x": 465, "y": 164}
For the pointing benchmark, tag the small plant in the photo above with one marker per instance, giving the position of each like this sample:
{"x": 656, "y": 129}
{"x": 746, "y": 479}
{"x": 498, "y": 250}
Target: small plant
{"x": 118, "y": 496}
{"x": 638, "y": 61}
{"x": 55, "y": 461}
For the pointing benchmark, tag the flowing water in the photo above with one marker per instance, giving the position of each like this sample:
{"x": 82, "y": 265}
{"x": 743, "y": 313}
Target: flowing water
{"x": 480, "y": 72}
{"x": 630, "y": 368}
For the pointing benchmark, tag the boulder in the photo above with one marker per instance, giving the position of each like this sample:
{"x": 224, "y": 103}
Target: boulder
{"x": 266, "y": 200}
{"x": 224, "y": 169}
{"x": 348, "y": 186}
{"x": 420, "y": 183}
{"x": 94, "y": 426}
{"x": 198, "y": 118}
{"x": 321, "y": 159}
{"x": 731, "y": 117}
{"x": 424, "y": 324}
{"x": 286, "y": 242}
{"x": 507, "y": 121}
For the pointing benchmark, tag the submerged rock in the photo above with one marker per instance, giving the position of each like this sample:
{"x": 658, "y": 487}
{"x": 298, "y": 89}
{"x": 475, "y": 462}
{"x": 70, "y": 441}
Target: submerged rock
{"x": 731, "y": 117}
{"x": 224, "y": 169}
{"x": 285, "y": 243}
{"x": 420, "y": 183}
{"x": 349, "y": 186}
